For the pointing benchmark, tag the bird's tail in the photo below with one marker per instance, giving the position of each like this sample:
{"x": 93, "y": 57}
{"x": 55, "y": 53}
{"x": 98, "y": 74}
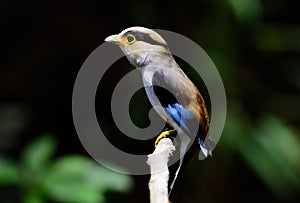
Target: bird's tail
{"x": 176, "y": 175}
{"x": 184, "y": 143}
{"x": 206, "y": 147}
{"x": 187, "y": 155}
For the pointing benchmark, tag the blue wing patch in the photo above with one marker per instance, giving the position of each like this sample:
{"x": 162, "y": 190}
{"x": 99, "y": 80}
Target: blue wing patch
{"x": 188, "y": 122}
{"x": 180, "y": 114}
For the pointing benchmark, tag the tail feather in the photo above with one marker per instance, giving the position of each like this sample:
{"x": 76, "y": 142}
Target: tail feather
{"x": 206, "y": 147}
{"x": 184, "y": 143}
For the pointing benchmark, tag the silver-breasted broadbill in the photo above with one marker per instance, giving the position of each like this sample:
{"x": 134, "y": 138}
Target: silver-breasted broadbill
{"x": 173, "y": 95}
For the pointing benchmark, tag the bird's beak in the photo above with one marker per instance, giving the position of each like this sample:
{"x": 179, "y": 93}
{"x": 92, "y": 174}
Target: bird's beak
{"x": 113, "y": 39}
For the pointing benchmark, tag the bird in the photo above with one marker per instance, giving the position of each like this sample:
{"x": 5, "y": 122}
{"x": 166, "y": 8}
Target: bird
{"x": 171, "y": 93}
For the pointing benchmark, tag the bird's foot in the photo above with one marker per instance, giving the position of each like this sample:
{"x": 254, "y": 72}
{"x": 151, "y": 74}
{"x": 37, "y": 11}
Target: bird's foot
{"x": 165, "y": 134}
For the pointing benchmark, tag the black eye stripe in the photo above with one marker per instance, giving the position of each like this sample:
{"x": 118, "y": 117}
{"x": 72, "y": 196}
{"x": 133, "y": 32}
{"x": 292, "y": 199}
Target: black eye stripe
{"x": 145, "y": 38}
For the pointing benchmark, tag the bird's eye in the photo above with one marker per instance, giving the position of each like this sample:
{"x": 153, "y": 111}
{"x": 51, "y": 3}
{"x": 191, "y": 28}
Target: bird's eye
{"x": 130, "y": 39}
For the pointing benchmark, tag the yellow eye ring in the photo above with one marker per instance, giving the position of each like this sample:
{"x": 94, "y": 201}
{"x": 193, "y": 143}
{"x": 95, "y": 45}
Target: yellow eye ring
{"x": 130, "y": 39}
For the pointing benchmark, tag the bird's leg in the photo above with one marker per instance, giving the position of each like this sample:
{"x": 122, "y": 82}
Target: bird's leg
{"x": 165, "y": 134}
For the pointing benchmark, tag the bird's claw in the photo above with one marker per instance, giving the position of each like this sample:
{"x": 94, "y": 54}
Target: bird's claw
{"x": 165, "y": 134}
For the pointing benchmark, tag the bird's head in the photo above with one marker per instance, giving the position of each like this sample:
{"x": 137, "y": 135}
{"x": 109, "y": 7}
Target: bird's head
{"x": 140, "y": 45}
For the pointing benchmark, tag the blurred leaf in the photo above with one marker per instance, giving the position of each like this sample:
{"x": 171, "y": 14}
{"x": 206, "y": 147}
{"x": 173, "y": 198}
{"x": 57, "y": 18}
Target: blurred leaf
{"x": 79, "y": 179}
{"x": 274, "y": 154}
{"x": 37, "y": 154}
{"x": 33, "y": 197}
{"x": 8, "y": 171}
{"x": 246, "y": 10}
{"x": 109, "y": 180}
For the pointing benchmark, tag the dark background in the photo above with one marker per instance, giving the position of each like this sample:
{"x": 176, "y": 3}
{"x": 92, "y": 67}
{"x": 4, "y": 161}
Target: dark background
{"x": 255, "y": 45}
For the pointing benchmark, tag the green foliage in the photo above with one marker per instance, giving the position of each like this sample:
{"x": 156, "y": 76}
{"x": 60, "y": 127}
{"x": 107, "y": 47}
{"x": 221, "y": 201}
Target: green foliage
{"x": 79, "y": 179}
{"x": 37, "y": 155}
{"x": 246, "y": 10}
{"x": 274, "y": 154}
{"x": 72, "y": 178}
{"x": 271, "y": 150}
{"x": 8, "y": 171}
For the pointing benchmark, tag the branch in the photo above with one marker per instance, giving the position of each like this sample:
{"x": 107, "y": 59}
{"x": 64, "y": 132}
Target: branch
{"x": 158, "y": 162}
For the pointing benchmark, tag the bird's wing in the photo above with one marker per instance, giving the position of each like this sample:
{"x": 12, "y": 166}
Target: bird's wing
{"x": 183, "y": 105}
{"x": 181, "y": 99}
